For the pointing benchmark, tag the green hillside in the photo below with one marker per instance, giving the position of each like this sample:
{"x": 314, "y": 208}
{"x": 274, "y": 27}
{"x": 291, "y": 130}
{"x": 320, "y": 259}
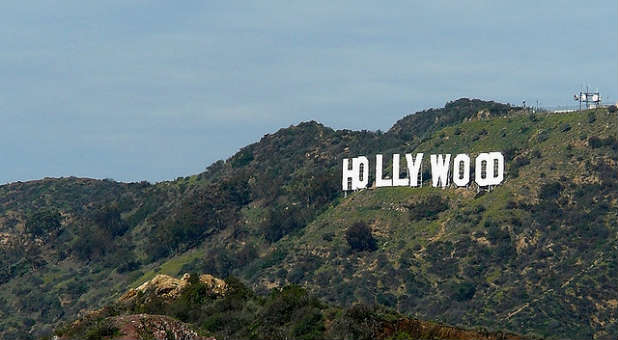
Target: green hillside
{"x": 535, "y": 255}
{"x": 202, "y": 307}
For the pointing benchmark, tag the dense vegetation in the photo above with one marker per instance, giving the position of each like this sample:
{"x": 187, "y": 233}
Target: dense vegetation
{"x": 289, "y": 312}
{"x": 536, "y": 255}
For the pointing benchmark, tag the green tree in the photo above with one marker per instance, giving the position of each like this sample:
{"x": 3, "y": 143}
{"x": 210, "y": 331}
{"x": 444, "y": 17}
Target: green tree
{"x": 360, "y": 238}
{"x": 43, "y": 222}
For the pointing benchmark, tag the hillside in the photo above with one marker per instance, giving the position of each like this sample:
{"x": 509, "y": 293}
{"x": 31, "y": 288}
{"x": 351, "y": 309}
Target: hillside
{"x": 536, "y": 255}
{"x": 229, "y": 310}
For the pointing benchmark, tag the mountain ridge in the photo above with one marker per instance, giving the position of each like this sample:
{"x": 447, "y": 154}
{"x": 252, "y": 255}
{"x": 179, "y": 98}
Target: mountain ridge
{"x": 273, "y": 214}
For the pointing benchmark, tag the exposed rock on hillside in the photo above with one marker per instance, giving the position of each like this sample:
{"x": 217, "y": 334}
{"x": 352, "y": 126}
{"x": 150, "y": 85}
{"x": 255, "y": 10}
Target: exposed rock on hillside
{"x": 144, "y": 326}
{"x": 169, "y": 288}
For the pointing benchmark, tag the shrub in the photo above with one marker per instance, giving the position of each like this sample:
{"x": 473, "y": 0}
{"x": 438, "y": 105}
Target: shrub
{"x": 591, "y": 117}
{"x": 109, "y": 219}
{"x": 387, "y": 299}
{"x": 129, "y": 266}
{"x": 329, "y": 236}
{"x": 360, "y": 238}
{"x": 91, "y": 243}
{"x": 550, "y": 190}
{"x": 520, "y": 161}
{"x": 358, "y": 322}
{"x": 196, "y": 292}
{"x": 565, "y": 127}
{"x": 542, "y": 136}
{"x": 242, "y": 158}
{"x": 511, "y": 205}
{"x": 428, "y": 208}
{"x": 102, "y": 330}
{"x": 536, "y": 154}
{"x": 595, "y": 142}
{"x": 219, "y": 261}
{"x": 290, "y": 310}
{"x": 612, "y": 109}
{"x": 282, "y": 221}
{"x": 43, "y": 222}
{"x": 464, "y": 291}
{"x": 510, "y": 153}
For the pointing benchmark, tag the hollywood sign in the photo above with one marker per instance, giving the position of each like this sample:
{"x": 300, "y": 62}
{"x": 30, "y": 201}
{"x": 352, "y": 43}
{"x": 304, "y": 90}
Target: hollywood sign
{"x": 489, "y": 170}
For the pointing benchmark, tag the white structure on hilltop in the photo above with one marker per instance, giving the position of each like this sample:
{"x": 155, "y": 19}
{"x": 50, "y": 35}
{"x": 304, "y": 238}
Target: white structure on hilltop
{"x": 591, "y": 99}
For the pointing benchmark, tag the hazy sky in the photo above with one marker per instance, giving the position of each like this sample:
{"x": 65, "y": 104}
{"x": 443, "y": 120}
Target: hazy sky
{"x": 135, "y": 90}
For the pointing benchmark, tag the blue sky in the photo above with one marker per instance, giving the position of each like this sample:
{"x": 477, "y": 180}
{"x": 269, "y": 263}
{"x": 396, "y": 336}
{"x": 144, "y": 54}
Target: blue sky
{"x": 152, "y": 90}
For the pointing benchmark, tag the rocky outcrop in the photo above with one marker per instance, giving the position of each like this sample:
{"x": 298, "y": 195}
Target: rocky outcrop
{"x": 157, "y": 327}
{"x": 108, "y": 324}
{"x": 168, "y": 288}
{"x": 135, "y": 327}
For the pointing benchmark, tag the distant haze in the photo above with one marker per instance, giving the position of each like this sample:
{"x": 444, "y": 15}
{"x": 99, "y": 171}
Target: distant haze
{"x": 152, "y": 90}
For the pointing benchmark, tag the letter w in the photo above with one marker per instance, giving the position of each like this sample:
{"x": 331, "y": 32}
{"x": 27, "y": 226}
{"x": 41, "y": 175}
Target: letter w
{"x": 440, "y": 165}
